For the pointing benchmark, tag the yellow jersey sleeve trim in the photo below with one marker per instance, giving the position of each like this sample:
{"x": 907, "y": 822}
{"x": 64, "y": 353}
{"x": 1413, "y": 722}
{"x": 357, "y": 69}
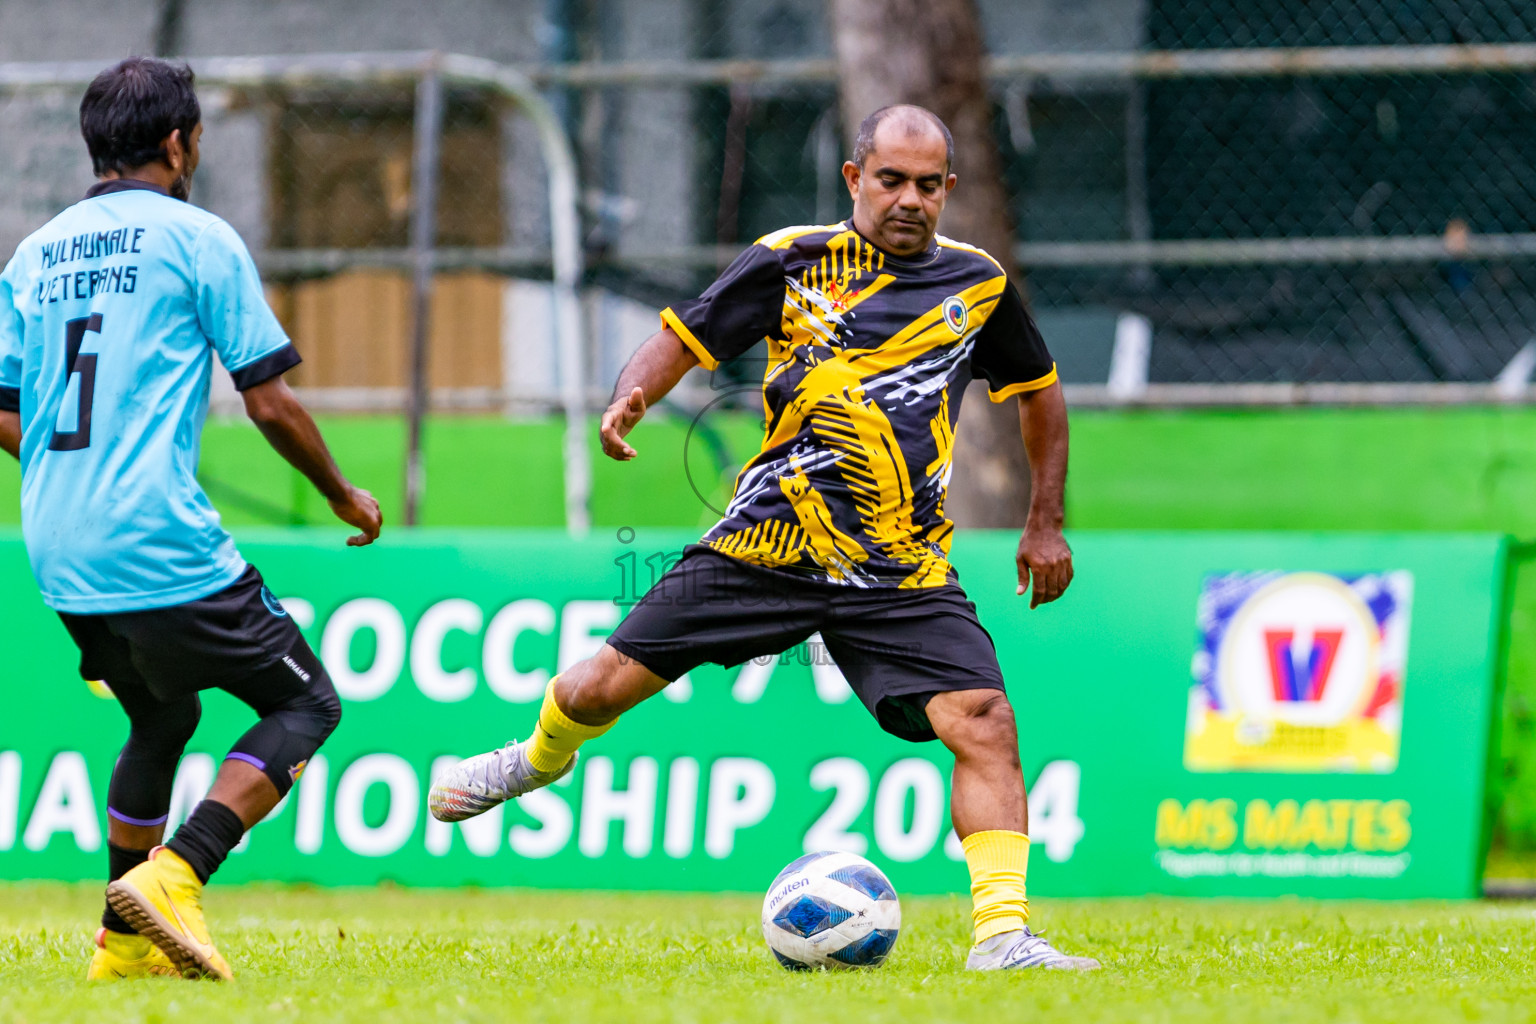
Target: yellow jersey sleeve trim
{"x": 672, "y": 320}
{"x": 950, "y": 243}
{"x": 1030, "y": 385}
{"x": 781, "y": 238}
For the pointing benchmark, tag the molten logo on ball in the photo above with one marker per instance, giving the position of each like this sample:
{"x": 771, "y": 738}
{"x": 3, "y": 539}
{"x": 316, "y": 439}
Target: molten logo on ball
{"x": 831, "y": 910}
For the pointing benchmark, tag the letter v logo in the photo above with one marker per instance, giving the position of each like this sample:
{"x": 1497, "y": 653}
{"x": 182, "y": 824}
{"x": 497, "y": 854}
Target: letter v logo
{"x": 1300, "y": 672}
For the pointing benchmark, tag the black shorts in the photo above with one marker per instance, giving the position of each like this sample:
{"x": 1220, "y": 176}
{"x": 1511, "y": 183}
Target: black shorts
{"x": 897, "y": 648}
{"x": 214, "y": 642}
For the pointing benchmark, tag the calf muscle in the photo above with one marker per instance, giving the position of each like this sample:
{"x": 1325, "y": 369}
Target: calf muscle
{"x": 601, "y": 688}
{"x": 988, "y": 789}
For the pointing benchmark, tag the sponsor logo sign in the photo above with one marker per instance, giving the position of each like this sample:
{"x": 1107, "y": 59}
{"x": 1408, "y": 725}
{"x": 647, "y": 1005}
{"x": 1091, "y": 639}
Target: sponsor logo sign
{"x": 1349, "y": 754}
{"x": 1299, "y": 672}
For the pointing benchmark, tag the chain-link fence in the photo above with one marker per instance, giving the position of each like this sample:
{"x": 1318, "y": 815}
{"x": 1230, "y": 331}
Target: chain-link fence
{"x": 1244, "y": 202}
{"x": 1352, "y": 222}
{"x": 371, "y": 189}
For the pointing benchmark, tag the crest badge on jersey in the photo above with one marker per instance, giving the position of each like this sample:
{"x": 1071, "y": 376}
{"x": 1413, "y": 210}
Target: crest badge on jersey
{"x": 1299, "y": 672}
{"x": 955, "y": 314}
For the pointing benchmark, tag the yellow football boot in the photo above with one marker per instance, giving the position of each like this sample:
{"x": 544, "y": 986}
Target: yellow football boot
{"x": 162, "y": 900}
{"x": 121, "y": 956}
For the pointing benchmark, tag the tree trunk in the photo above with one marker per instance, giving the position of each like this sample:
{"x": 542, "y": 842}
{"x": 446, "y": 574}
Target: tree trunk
{"x": 929, "y": 52}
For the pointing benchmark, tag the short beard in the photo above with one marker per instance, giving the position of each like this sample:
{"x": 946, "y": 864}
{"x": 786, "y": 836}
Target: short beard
{"x": 181, "y": 188}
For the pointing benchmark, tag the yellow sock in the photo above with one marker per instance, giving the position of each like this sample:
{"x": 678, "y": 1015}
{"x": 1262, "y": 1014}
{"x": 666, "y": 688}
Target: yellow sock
{"x": 998, "y": 860}
{"x": 557, "y": 736}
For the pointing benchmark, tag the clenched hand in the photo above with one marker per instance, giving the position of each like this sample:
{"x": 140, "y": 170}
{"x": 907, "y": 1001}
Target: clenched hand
{"x": 1044, "y": 554}
{"x": 360, "y": 509}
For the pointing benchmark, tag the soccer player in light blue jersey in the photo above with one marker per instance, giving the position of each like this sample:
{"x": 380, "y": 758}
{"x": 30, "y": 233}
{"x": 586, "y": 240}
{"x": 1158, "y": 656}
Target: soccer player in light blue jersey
{"x": 110, "y": 317}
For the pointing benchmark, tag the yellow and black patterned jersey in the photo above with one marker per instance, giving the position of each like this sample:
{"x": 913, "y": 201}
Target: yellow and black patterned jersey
{"x": 869, "y": 355}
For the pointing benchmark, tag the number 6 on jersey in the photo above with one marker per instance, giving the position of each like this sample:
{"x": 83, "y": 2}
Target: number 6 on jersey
{"x": 85, "y": 366}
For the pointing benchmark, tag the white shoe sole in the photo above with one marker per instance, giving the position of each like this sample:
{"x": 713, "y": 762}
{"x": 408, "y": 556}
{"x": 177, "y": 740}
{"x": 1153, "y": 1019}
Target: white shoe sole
{"x": 1080, "y": 964}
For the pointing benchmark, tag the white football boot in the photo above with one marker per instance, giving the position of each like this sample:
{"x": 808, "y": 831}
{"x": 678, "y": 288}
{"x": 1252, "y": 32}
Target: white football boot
{"x": 1023, "y": 948}
{"x": 476, "y": 784}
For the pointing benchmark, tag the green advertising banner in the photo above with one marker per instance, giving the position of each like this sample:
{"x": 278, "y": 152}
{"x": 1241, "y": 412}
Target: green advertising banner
{"x": 1202, "y": 714}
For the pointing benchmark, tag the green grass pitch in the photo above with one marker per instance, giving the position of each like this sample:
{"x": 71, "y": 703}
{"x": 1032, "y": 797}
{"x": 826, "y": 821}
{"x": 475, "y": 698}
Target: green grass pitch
{"x": 466, "y": 955}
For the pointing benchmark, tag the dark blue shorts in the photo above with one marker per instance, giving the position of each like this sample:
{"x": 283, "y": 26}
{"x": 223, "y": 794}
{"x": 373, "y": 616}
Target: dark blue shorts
{"x": 230, "y": 640}
{"x": 897, "y": 648}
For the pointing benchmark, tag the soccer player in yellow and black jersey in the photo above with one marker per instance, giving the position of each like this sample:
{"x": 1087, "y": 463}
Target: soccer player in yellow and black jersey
{"x": 875, "y": 327}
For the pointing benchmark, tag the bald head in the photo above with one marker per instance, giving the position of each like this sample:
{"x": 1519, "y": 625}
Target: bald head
{"x": 899, "y": 178}
{"x": 910, "y": 122}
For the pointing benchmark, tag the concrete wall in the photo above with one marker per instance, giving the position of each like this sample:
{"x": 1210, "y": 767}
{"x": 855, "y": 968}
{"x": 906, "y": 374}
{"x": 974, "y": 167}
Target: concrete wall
{"x": 647, "y": 155}
{"x": 50, "y": 169}
{"x": 503, "y": 30}
{"x": 76, "y": 29}
{"x": 47, "y": 166}
{"x": 639, "y": 145}
{"x": 234, "y": 184}
{"x": 639, "y": 148}
{"x": 652, "y": 155}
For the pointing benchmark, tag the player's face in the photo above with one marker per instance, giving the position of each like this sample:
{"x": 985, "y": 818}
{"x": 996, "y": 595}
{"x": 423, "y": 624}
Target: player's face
{"x": 900, "y": 191}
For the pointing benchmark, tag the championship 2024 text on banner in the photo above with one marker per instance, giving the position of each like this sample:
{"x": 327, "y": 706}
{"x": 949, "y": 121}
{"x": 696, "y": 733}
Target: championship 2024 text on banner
{"x": 1202, "y": 714}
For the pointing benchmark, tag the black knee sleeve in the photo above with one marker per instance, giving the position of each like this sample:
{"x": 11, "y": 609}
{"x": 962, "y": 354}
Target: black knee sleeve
{"x": 299, "y": 710}
{"x": 140, "y": 791}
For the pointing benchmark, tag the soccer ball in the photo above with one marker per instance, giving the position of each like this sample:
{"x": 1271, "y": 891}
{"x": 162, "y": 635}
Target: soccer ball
{"x": 831, "y": 910}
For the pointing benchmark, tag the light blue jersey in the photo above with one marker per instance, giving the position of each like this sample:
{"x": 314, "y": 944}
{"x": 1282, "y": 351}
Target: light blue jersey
{"x": 109, "y": 319}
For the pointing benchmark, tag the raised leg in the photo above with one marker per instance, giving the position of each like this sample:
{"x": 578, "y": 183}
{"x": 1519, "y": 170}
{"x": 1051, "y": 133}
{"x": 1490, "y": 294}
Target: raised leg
{"x": 582, "y": 703}
{"x": 601, "y": 688}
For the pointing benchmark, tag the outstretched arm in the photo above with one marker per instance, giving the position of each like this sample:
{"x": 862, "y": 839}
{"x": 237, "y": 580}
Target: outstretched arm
{"x": 651, "y": 372}
{"x": 10, "y": 432}
{"x": 1043, "y": 551}
{"x": 289, "y": 429}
